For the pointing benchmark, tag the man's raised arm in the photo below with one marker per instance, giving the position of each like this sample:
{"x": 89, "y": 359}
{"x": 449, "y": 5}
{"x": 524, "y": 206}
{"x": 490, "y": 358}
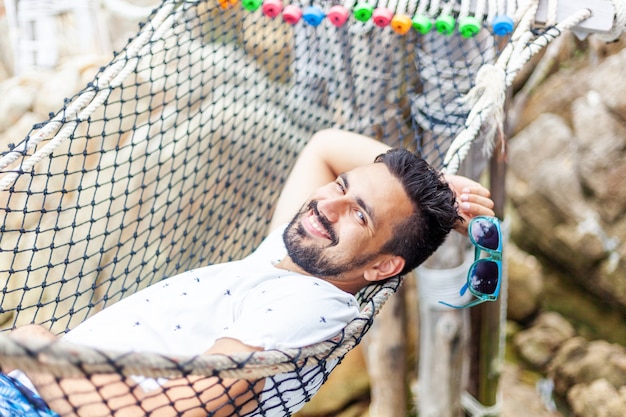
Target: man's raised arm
{"x": 331, "y": 152}
{"x": 328, "y": 153}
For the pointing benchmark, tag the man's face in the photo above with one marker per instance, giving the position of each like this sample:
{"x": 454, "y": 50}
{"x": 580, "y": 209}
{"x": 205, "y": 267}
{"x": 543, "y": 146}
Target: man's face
{"x": 340, "y": 231}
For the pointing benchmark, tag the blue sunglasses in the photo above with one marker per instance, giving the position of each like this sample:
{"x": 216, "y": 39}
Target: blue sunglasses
{"x": 485, "y": 274}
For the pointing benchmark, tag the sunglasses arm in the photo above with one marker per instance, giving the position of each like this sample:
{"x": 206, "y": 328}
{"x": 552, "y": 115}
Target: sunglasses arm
{"x": 468, "y": 305}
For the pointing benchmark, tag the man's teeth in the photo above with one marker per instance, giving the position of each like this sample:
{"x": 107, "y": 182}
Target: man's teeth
{"x": 318, "y": 226}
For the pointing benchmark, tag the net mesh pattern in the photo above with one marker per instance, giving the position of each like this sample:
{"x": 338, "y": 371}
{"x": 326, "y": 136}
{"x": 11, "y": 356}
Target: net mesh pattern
{"x": 173, "y": 158}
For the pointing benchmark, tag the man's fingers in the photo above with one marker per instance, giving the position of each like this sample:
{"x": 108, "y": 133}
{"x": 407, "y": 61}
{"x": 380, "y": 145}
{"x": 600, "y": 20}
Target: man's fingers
{"x": 476, "y": 189}
{"x": 473, "y": 198}
{"x": 472, "y": 209}
{"x": 476, "y": 205}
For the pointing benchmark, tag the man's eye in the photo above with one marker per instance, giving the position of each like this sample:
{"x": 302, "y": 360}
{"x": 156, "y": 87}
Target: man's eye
{"x": 341, "y": 188}
{"x": 361, "y": 216}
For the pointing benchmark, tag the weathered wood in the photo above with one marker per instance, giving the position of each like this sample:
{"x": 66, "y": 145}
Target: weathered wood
{"x": 488, "y": 318}
{"x": 385, "y": 347}
{"x": 445, "y": 334}
{"x": 601, "y": 20}
{"x": 443, "y": 340}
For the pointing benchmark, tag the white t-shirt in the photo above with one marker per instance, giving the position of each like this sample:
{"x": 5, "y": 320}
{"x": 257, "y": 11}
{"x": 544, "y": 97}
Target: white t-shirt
{"x": 250, "y": 300}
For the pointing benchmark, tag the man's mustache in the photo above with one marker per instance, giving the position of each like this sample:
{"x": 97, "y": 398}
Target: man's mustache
{"x": 324, "y": 222}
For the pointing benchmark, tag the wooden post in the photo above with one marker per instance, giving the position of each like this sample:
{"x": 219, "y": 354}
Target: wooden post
{"x": 488, "y": 319}
{"x": 385, "y": 353}
{"x": 443, "y": 341}
{"x": 445, "y": 333}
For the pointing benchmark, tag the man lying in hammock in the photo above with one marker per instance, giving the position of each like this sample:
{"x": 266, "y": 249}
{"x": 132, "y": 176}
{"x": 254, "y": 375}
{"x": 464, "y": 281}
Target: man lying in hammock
{"x": 357, "y": 226}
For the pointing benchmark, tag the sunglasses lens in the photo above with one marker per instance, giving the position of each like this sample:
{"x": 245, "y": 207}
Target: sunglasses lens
{"x": 484, "y": 276}
{"x": 485, "y": 234}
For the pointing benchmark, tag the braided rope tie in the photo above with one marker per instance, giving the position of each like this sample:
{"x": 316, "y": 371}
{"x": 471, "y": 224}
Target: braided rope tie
{"x": 486, "y": 99}
{"x": 476, "y": 409}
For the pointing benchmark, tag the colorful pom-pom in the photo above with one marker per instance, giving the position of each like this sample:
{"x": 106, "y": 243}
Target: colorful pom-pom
{"x": 338, "y": 15}
{"x": 292, "y": 14}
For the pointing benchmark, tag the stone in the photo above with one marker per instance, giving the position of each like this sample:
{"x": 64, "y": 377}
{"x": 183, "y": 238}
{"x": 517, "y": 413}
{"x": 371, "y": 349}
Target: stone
{"x": 603, "y": 80}
{"x": 600, "y": 138}
{"x": 520, "y": 398}
{"x": 597, "y": 399}
{"x": 538, "y": 344}
{"x": 568, "y": 192}
{"x": 525, "y": 284}
{"x": 16, "y": 132}
{"x": 67, "y": 80}
{"x": 579, "y": 361}
{"x": 18, "y": 95}
{"x": 524, "y": 146}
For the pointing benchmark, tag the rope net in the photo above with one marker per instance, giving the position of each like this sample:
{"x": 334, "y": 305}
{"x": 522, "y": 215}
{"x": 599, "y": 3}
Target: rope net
{"x": 174, "y": 155}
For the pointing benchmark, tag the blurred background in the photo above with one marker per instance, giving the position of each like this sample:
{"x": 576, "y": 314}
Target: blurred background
{"x": 566, "y": 199}
{"x": 42, "y": 34}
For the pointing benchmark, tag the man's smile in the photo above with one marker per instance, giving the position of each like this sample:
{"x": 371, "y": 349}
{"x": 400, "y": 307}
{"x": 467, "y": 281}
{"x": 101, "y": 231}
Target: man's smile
{"x": 313, "y": 226}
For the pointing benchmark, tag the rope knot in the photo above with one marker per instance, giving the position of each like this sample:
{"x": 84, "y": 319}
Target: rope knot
{"x": 486, "y": 100}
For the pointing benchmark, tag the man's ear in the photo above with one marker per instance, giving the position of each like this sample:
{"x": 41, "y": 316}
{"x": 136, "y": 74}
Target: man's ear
{"x": 389, "y": 266}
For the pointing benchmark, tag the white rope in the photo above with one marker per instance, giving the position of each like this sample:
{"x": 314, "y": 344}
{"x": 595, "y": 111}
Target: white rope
{"x": 434, "y": 8}
{"x": 411, "y": 7}
{"x": 422, "y": 6}
{"x": 539, "y": 43}
{"x": 349, "y": 4}
{"x": 511, "y": 8}
{"x": 476, "y": 409}
{"x": 492, "y": 10}
{"x": 42, "y": 133}
{"x": 446, "y": 9}
{"x": 464, "y": 11}
{"x": 500, "y": 7}
{"x": 486, "y": 10}
{"x": 517, "y": 13}
{"x": 402, "y": 7}
{"x": 553, "y": 6}
{"x": 479, "y": 11}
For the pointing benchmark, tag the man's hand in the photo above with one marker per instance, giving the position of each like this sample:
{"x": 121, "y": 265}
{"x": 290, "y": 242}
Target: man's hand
{"x": 32, "y": 331}
{"x": 28, "y": 334}
{"x": 100, "y": 395}
{"x": 473, "y": 200}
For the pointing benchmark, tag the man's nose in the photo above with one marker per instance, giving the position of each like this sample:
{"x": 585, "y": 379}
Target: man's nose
{"x": 332, "y": 208}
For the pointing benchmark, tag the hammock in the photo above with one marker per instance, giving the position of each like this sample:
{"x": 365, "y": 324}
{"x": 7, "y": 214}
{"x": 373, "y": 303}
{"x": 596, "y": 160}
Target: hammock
{"x": 174, "y": 155}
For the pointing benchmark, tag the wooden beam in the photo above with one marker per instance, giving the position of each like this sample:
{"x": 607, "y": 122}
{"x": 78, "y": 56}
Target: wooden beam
{"x": 601, "y": 20}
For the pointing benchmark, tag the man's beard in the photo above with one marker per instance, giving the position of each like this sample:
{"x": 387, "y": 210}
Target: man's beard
{"x": 311, "y": 258}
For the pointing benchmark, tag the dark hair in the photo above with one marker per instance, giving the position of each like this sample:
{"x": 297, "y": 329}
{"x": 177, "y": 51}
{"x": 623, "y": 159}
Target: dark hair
{"x": 434, "y": 203}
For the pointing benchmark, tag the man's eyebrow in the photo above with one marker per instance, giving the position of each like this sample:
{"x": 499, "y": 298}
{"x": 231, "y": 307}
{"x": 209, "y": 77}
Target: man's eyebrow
{"x": 367, "y": 208}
